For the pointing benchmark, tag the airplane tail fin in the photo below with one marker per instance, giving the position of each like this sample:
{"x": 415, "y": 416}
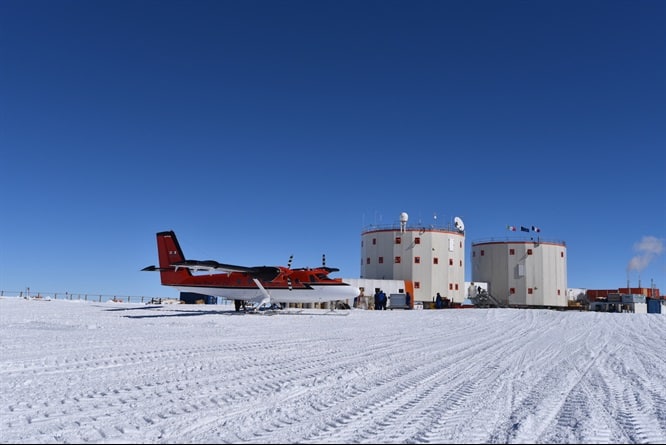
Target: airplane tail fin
{"x": 169, "y": 253}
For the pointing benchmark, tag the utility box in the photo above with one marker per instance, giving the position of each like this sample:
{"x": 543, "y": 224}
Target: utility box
{"x": 398, "y": 301}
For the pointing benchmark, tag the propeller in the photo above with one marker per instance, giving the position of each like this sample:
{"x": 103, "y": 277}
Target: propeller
{"x": 327, "y": 269}
{"x": 291, "y": 258}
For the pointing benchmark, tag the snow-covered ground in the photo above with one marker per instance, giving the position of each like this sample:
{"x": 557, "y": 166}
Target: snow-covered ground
{"x": 80, "y": 372}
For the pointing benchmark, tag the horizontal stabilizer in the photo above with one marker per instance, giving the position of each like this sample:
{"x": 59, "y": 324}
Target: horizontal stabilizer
{"x": 155, "y": 269}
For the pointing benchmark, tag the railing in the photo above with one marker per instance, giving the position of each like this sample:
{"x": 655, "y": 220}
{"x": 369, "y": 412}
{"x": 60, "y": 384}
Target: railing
{"x": 100, "y": 298}
{"x": 518, "y": 239}
{"x": 449, "y": 227}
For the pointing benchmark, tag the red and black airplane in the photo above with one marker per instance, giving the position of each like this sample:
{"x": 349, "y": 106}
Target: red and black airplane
{"x": 256, "y": 285}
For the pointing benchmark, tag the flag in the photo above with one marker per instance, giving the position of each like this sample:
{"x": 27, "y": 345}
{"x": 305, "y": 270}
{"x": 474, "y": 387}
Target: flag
{"x": 524, "y": 229}
{"x": 512, "y": 228}
{"x": 535, "y": 229}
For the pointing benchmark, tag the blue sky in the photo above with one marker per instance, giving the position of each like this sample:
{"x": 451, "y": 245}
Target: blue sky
{"x": 261, "y": 129}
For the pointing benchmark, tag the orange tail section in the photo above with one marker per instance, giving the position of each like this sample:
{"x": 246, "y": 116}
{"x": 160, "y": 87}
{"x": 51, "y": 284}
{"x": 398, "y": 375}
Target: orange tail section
{"x": 169, "y": 252}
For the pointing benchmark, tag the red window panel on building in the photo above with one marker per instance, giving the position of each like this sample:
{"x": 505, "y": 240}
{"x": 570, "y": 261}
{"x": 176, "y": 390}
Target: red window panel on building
{"x": 512, "y": 290}
{"x": 435, "y": 260}
{"x": 417, "y": 285}
{"x": 529, "y": 251}
{"x": 381, "y": 260}
{"x": 417, "y": 260}
{"x": 417, "y": 240}
{"x": 529, "y": 290}
{"x": 397, "y": 260}
{"x": 398, "y": 240}
{"x": 512, "y": 251}
{"x": 450, "y": 261}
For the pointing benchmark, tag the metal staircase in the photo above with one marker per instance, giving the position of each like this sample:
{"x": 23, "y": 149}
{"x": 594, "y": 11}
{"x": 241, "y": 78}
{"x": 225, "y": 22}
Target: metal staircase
{"x": 485, "y": 299}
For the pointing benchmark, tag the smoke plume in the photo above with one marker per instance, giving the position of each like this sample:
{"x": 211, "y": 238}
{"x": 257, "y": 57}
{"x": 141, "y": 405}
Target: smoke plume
{"x": 647, "y": 249}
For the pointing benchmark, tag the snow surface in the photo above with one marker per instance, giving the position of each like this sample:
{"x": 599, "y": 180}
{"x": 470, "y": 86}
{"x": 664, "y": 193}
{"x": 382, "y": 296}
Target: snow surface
{"x": 81, "y": 372}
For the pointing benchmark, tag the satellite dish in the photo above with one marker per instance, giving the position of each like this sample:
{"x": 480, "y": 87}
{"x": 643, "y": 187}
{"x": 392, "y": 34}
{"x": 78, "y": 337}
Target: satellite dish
{"x": 459, "y": 224}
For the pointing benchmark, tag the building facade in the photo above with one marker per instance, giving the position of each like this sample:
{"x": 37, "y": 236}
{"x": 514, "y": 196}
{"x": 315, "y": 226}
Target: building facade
{"x": 522, "y": 273}
{"x": 432, "y": 258}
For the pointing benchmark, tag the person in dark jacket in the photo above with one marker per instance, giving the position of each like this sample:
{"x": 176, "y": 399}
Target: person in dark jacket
{"x": 439, "y": 303}
{"x": 382, "y": 300}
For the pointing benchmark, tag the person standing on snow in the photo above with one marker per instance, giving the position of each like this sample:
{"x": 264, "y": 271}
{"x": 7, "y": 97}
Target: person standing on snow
{"x": 439, "y": 303}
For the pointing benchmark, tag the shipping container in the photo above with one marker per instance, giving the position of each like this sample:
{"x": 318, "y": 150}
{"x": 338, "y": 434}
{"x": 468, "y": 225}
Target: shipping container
{"x": 614, "y": 298}
{"x": 194, "y": 298}
{"x": 633, "y": 298}
{"x": 598, "y": 294}
{"x": 653, "y": 306}
{"x": 646, "y": 291}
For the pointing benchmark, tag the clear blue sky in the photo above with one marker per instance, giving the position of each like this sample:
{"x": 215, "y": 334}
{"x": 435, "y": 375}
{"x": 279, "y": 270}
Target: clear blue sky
{"x": 261, "y": 129}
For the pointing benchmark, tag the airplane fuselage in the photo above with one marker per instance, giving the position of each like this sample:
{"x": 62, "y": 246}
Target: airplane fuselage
{"x": 311, "y": 294}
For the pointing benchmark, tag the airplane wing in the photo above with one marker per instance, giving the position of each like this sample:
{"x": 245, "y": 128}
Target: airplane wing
{"x": 324, "y": 268}
{"x": 210, "y": 265}
{"x": 266, "y": 273}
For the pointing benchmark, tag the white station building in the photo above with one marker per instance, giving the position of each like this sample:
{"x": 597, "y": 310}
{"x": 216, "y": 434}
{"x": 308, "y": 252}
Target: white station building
{"x": 522, "y": 273}
{"x": 431, "y": 258}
